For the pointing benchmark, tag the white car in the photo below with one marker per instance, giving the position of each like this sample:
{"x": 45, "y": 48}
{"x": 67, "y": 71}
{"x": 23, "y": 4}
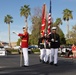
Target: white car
{"x": 2, "y": 51}
{"x": 7, "y": 46}
{"x": 19, "y": 49}
{"x": 16, "y": 47}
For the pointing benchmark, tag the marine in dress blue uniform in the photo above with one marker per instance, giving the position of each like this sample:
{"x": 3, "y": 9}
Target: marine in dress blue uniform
{"x": 55, "y": 44}
{"x": 41, "y": 45}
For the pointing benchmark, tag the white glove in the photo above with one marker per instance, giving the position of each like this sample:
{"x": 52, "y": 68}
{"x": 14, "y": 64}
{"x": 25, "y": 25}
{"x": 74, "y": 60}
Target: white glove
{"x": 56, "y": 41}
{"x": 15, "y": 33}
{"x": 52, "y": 40}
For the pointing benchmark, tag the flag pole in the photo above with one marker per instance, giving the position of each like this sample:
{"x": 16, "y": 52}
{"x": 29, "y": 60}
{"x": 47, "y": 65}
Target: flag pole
{"x": 49, "y": 20}
{"x": 45, "y": 18}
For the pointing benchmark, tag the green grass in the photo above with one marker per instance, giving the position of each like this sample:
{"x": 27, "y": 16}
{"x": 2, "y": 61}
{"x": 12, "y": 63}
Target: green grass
{"x": 10, "y": 50}
{"x": 35, "y": 50}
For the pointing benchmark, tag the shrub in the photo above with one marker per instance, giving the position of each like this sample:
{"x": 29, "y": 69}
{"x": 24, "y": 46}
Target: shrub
{"x": 35, "y": 50}
{"x": 10, "y": 50}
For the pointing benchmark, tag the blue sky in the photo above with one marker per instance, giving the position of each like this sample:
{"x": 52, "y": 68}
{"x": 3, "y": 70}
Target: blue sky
{"x": 12, "y": 7}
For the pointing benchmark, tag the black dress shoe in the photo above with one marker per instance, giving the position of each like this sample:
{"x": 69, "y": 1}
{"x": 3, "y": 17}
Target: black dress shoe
{"x": 51, "y": 63}
{"x": 40, "y": 60}
{"x": 43, "y": 61}
{"x": 47, "y": 62}
{"x": 24, "y": 66}
{"x": 55, "y": 64}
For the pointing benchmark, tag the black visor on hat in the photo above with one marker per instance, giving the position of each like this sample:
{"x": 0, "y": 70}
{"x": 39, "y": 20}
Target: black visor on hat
{"x": 24, "y": 27}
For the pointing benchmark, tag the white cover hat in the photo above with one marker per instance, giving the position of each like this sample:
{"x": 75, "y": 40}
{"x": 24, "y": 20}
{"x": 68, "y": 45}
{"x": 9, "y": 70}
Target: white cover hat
{"x": 24, "y": 27}
{"x": 53, "y": 28}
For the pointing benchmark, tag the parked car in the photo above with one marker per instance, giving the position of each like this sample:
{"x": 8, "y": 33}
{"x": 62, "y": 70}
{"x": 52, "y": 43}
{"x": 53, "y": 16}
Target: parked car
{"x": 69, "y": 51}
{"x": 29, "y": 49}
{"x": 66, "y": 51}
{"x": 32, "y": 47}
{"x": 2, "y": 51}
{"x": 6, "y": 46}
{"x": 16, "y": 47}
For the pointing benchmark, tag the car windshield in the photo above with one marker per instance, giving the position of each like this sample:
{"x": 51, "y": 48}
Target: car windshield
{"x": 31, "y": 47}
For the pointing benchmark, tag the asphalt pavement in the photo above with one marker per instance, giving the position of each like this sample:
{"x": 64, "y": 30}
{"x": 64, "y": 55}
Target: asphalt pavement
{"x": 10, "y": 65}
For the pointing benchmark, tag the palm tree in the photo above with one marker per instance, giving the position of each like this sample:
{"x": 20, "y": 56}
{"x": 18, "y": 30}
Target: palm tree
{"x": 57, "y": 23}
{"x": 67, "y": 15}
{"x": 25, "y": 11}
{"x": 8, "y": 20}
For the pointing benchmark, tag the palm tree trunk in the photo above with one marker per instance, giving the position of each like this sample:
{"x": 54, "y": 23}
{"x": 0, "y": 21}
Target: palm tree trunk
{"x": 58, "y": 27}
{"x": 68, "y": 29}
{"x": 9, "y": 34}
{"x": 26, "y": 23}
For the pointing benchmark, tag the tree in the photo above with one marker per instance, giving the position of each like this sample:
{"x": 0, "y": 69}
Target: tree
{"x": 72, "y": 35}
{"x": 58, "y": 22}
{"x": 25, "y": 11}
{"x": 36, "y": 29}
{"x": 67, "y": 15}
{"x": 18, "y": 42}
{"x": 62, "y": 37}
{"x": 8, "y": 20}
{"x": 36, "y": 26}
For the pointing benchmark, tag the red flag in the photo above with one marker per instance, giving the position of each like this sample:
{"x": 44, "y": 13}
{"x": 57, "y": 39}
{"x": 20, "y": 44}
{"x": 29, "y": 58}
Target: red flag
{"x": 43, "y": 20}
{"x": 49, "y": 20}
